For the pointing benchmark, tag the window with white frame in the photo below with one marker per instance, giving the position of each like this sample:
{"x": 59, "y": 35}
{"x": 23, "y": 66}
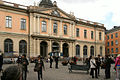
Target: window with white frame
{"x": 65, "y": 29}
{"x": 23, "y": 24}
{"x": 55, "y": 26}
{"x": 77, "y": 32}
{"x": 116, "y": 42}
{"x": 44, "y": 26}
{"x": 8, "y": 21}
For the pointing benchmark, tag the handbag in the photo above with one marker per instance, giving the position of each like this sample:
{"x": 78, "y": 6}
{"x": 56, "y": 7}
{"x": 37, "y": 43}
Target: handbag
{"x": 37, "y": 67}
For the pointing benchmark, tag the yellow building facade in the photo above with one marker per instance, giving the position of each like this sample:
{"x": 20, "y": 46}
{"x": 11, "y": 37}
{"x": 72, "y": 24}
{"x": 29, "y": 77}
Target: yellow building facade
{"x": 50, "y": 29}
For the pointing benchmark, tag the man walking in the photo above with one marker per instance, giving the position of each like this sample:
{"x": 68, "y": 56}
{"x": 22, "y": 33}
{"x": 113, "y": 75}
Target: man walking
{"x": 24, "y": 63}
{"x": 56, "y": 61}
{"x": 98, "y": 65}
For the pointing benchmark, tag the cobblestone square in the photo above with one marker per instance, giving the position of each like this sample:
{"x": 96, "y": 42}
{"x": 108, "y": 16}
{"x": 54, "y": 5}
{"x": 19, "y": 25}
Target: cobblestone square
{"x": 62, "y": 73}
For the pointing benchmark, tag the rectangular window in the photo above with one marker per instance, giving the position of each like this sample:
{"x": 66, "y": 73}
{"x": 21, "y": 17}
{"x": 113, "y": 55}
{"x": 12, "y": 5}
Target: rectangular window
{"x": 8, "y": 21}
{"x": 65, "y": 29}
{"x": 111, "y": 36}
{"x": 111, "y": 43}
{"x": 107, "y": 37}
{"x": 108, "y": 50}
{"x": 85, "y": 33}
{"x": 100, "y": 36}
{"x": 112, "y": 50}
{"x": 92, "y": 34}
{"x": 116, "y": 50}
{"x": 44, "y": 26}
{"x": 23, "y": 24}
{"x": 55, "y": 28}
{"x": 107, "y": 43}
{"x": 116, "y": 42}
{"x": 116, "y": 35}
{"x": 77, "y": 32}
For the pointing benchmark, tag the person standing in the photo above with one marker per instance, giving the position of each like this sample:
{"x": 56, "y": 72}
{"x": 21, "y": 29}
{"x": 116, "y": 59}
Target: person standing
{"x": 39, "y": 65}
{"x": 117, "y": 67}
{"x": 98, "y": 62}
{"x": 1, "y": 61}
{"x": 107, "y": 63}
{"x": 51, "y": 60}
{"x": 56, "y": 61}
{"x": 24, "y": 64}
{"x": 93, "y": 67}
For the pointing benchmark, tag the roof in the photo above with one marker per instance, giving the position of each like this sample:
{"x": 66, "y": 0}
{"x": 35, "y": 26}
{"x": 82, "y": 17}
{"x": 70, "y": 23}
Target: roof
{"x": 46, "y": 4}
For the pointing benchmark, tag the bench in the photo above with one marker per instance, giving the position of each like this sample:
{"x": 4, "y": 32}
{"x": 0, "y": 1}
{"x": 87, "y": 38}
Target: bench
{"x": 78, "y": 67}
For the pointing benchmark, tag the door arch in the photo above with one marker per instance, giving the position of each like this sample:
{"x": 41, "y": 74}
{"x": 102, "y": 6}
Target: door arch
{"x": 65, "y": 50}
{"x": 43, "y": 49}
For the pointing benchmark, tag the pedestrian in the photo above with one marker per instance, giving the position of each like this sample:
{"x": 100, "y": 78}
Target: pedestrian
{"x": 93, "y": 67}
{"x": 107, "y": 63}
{"x": 1, "y": 61}
{"x": 98, "y": 62}
{"x": 24, "y": 64}
{"x": 39, "y": 65}
{"x": 56, "y": 62}
{"x": 51, "y": 60}
{"x": 12, "y": 73}
{"x": 117, "y": 67}
{"x": 19, "y": 60}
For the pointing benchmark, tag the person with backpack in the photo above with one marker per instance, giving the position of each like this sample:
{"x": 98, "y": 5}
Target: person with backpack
{"x": 39, "y": 65}
{"x": 117, "y": 67}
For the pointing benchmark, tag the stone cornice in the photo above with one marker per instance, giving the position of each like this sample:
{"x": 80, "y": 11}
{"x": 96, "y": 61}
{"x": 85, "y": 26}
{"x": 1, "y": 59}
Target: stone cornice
{"x": 17, "y": 34}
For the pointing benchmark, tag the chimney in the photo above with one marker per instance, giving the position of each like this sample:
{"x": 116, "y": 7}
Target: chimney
{"x": 55, "y": 3}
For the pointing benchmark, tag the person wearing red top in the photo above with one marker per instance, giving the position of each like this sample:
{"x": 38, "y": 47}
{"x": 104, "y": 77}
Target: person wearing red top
{"x": 117, "y": 67}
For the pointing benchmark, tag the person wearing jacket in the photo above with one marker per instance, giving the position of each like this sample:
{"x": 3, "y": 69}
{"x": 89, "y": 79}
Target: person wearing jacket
{"x": 39, "y": 65}
{"x": 51, "y": 61}
{"x": 24, "y": 63}
{"x": 1, "y": 61}
{"x": 93, "y": 67}
{"x": 117, "y": 67}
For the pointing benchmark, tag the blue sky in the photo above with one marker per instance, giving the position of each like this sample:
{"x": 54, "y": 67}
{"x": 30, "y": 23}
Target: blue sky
{"x": 106, "y": 12}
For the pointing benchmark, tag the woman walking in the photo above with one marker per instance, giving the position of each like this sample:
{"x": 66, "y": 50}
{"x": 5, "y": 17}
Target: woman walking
{"x": 39, "y": 65}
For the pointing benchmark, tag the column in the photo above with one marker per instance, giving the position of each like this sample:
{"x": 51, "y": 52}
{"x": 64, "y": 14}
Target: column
{"x": 70, "y": 31}
{"x": 88, "y": 51}
{"x": 73, "y": 48}
{"x": 81, "y": 51}
{"x": 61, "y": 29}
{"x": 34, "y": 23}
{"x": 38, "y": 47}
{"x": 70, "y": 50}
{"x": 31, "y": 24}
{"x": 50, "y": 27}
{"x": 49, "y": 46}
{"x": 38, "y": 24}
{"x": 34, "y": 47}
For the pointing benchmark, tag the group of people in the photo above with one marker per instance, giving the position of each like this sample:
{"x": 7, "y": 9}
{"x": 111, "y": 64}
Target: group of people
{"x": 96, "y": 63}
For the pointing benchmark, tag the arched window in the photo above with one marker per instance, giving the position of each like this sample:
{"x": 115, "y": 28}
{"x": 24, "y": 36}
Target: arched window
{"x": 77, "y": 50}
{"x": 101, "y": 50}
{"x": 85, "y": 51}
{"x": 22, "y": 47}
{"x": 8, "y": 46}
{"x": 44, "y": 26}
{"x": 55, "y": 26}
{"x": 65, "y": 29}
{"x": 92, "y": 51}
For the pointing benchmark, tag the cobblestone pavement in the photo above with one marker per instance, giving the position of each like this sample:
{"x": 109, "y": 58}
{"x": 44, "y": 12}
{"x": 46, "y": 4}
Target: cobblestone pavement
{"x": 63, "y": 74}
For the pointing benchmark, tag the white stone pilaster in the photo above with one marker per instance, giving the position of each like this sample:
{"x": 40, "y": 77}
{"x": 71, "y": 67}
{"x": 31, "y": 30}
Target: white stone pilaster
{"x": 38, "y": 24}
{"x": 38, "y": 47}
{"x": 34, "y": 27}
{"x": 61, "y": 47}
{"x": 61, "y": 29}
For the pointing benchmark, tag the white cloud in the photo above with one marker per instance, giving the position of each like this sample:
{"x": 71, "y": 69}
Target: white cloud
{"x": 94, "y": 10}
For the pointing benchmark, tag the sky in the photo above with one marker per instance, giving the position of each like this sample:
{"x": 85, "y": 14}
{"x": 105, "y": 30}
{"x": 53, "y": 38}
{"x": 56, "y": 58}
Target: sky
{"x": 106, "y": 12}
